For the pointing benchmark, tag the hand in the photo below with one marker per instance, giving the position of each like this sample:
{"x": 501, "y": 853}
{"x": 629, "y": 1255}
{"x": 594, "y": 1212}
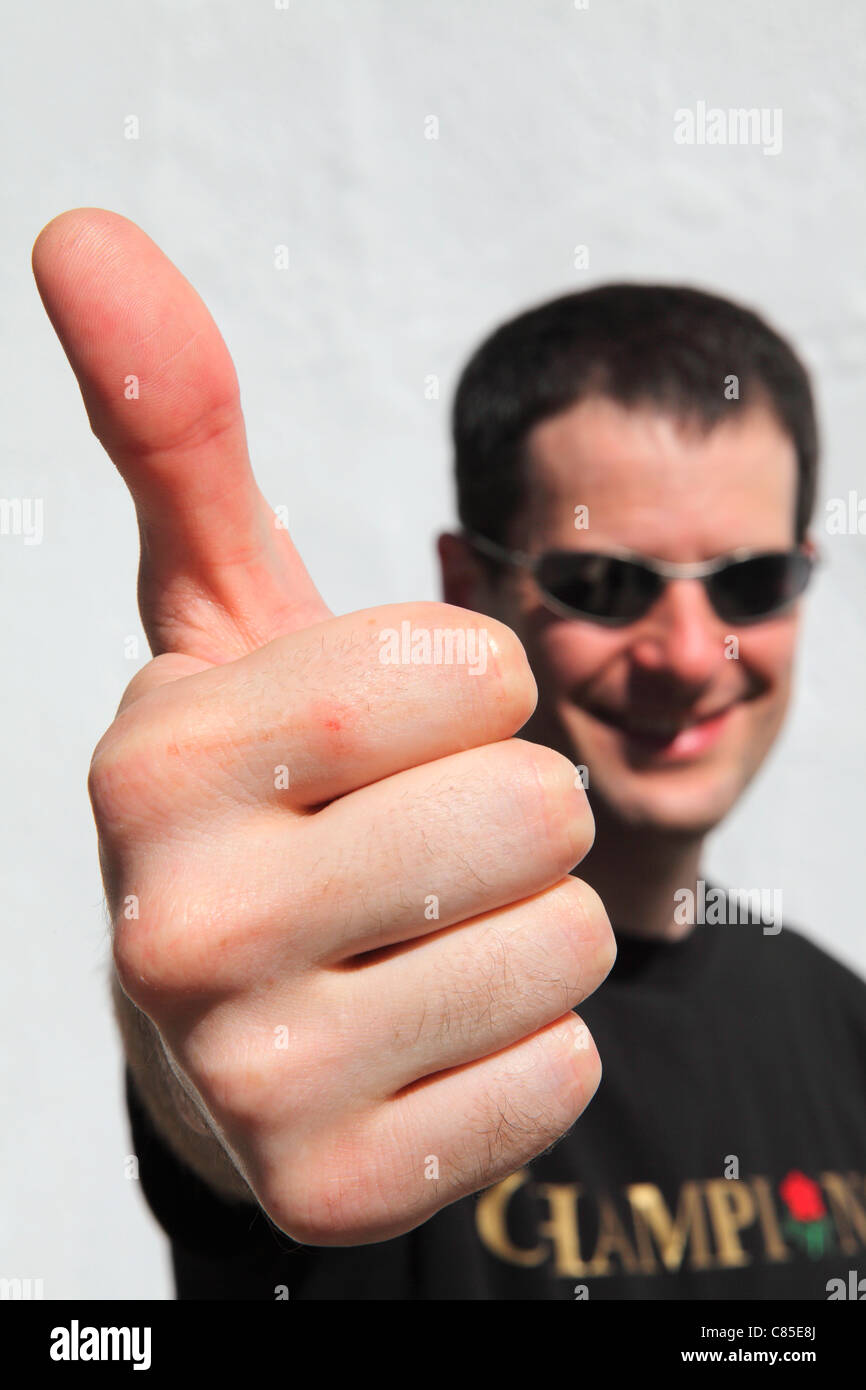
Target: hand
{"x": 339, "y": 888}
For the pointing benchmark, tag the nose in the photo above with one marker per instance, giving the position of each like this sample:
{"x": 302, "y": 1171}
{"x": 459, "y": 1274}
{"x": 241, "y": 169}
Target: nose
{"x": 681, "y": 636}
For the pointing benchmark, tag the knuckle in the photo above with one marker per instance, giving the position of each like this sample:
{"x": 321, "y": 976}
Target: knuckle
{"x": 583, "y": 936}
{"x": 158, "y": 759}
{"x": 123, "y": 779}
{"x": 271, "y": 1069}
{"x": 331, "y": 1192}
{"x": 570, "y": 1070}
{"x": 243, "y": 1083}
{"x": 518, "y": 690}
{"x": 509, "y": 1126}
{"x": 554, "y": 802}
{"x": 170, "y": 945}
{"x": 146, "y": 966}
{"x": 518, "y": 685}
{"x": 133, "y": 966}
{"x": 508, "y": 692}
{"x": 105, "y": 777}
{"x": 553, "y": 964}
{"x": 596, "y": 932}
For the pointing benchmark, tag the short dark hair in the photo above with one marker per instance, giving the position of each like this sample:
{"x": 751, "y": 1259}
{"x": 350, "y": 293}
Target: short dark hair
{"x": 666, "y": 345}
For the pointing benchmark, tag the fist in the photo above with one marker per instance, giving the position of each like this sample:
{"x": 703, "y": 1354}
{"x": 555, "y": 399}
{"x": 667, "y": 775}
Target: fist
{"x": 340, "y": 888}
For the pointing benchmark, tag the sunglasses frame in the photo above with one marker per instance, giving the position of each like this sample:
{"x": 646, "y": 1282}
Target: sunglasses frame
{"x": 665, "y": 569}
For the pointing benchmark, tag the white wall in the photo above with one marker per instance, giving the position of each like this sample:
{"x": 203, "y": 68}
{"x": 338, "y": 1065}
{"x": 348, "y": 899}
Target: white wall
{"x": 306, "y": 126}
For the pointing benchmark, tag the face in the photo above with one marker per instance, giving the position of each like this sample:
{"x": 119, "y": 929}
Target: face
{"x": 670, "y": 716}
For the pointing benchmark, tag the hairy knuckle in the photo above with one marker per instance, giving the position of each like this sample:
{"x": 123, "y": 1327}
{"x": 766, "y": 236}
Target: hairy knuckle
{"x": 552, "y": 970}
{"x": 506, "y": 1127}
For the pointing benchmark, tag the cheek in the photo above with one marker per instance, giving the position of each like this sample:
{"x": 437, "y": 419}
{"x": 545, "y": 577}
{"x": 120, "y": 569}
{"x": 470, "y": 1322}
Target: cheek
{"x": 768, "y": 652}
{"x": 573, "y": 654}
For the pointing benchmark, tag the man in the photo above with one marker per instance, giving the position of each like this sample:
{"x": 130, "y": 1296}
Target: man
{"x": 347, "y": 936}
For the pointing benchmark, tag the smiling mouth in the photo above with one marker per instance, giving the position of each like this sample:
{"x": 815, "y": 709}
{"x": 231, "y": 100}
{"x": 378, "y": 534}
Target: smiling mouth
{"x": 689, "y": 733}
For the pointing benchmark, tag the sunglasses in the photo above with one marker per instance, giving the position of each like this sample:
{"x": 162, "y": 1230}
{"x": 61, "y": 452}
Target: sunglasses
{"x": 620, "y": 586}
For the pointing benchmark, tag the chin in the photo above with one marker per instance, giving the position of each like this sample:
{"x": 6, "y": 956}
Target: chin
{"x": 685, "y": 795}
{"x": 683, "y": 811}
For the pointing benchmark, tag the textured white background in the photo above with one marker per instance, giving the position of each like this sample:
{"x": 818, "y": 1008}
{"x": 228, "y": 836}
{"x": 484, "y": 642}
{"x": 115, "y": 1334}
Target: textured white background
{"x": 305, "y": 126}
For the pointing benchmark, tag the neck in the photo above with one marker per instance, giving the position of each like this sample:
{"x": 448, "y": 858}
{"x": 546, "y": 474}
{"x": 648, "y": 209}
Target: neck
{"x": 637, "y": 872}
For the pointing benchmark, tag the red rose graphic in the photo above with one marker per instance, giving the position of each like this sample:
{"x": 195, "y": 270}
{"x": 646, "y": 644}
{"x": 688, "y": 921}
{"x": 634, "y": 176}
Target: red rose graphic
{"x": 802, "y": 1197}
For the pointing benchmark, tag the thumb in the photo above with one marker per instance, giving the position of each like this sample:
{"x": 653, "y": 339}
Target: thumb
{"x": 217, "y": 576}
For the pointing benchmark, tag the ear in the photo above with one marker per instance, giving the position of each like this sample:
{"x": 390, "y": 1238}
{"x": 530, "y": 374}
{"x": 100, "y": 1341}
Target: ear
{"x": 464, "y": 580}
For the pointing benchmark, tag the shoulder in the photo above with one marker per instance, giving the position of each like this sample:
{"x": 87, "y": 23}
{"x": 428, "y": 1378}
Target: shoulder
{"x": 785, "y": 960}
{"x": 803, "y": 951}
{"x": 747, "y": 918}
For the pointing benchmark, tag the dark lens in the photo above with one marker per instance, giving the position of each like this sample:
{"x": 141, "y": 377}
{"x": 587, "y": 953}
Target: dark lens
{"x": 758, "y": 586}
{"x": 603, "y": 587}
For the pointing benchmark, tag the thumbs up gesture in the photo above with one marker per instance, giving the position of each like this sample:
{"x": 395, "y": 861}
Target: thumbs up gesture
{"x": 356, "y": 932}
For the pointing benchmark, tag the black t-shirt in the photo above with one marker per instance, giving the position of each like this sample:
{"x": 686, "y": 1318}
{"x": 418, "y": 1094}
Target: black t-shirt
{"x": 723, "y": 1155}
